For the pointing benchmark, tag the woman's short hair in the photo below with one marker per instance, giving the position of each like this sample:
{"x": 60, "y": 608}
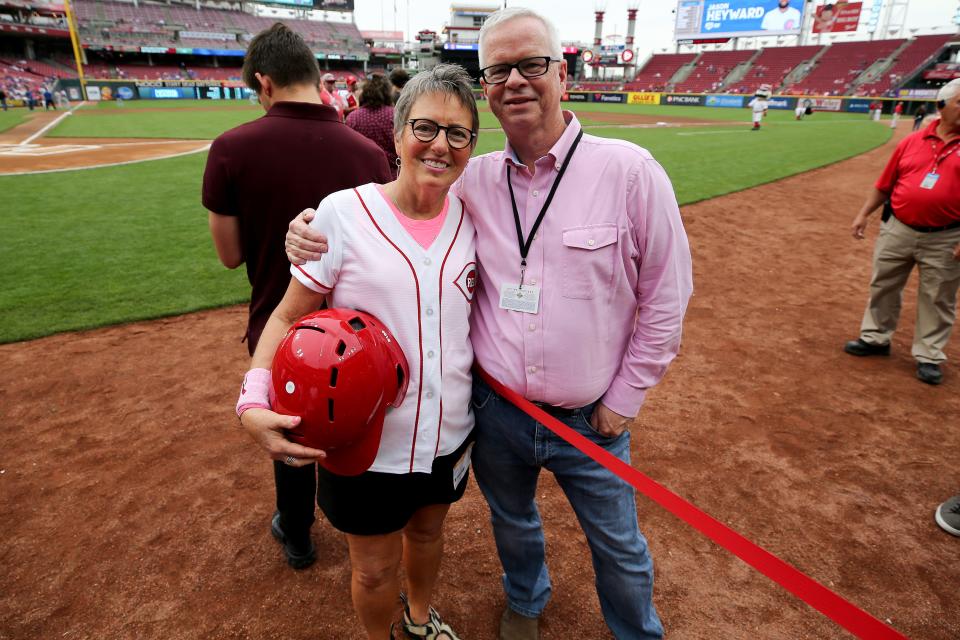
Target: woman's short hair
{"x": 281, "y": 54}
{"x": 447, "y": 79}
{"x": 376, "y": 92}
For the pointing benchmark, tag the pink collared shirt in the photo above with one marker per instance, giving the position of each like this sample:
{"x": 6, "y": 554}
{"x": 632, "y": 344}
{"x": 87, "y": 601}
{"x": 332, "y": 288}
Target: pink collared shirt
{"x": 612, "y": 262}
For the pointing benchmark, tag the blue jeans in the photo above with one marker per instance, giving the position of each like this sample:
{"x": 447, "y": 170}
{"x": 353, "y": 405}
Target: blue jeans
{"x": 510, "y": 450}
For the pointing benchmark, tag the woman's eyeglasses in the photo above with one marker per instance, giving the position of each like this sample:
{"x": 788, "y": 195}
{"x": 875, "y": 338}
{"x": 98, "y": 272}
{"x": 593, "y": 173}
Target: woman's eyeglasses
{"x": 426, "y": 130}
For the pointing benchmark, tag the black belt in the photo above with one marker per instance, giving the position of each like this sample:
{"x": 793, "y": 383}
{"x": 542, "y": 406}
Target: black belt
{"x": 947, "y": 227}
{"x": 556, "y": 412}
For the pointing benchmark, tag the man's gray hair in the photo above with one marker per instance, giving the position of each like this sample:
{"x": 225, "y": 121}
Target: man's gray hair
{"x": 448, "y": 79}
{"x": 512, "y": 13}
{"x": 949, "y": 91}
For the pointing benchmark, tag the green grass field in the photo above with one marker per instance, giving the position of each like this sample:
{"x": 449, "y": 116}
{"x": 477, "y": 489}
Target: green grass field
{"x": 131, "y": 242}
{"x": 11, "y": 118}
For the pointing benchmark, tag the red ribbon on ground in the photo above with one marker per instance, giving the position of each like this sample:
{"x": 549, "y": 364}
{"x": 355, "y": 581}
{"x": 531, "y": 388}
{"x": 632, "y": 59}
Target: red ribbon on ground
{"x": 850, "y": 617}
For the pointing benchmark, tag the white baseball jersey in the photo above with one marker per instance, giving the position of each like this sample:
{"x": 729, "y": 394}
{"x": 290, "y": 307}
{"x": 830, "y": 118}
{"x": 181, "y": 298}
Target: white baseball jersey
{"x": 759, "y": 106}
{"x": 776, "y": 20}
{"x": 423, "y": 296}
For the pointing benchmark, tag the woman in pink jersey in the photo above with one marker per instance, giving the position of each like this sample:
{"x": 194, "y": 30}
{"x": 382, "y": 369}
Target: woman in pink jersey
{"x": 405, "y": 253}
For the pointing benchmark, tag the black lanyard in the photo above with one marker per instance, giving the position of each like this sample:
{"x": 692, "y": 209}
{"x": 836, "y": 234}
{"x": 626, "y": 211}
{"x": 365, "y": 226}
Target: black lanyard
{"x": 525, "y": 244}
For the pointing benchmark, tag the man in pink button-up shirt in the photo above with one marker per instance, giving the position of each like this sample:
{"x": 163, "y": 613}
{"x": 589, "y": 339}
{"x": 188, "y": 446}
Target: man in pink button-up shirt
{"x": 609, "y": 267}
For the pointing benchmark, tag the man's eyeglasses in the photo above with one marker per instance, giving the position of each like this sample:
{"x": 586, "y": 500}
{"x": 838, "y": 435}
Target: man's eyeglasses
{"x": 528, "y": 68}
{"x": 426, "y": 130}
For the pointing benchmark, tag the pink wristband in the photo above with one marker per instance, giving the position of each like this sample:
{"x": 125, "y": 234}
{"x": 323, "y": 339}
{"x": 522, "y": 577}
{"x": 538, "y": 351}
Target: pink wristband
{"x": 255, "y": 391}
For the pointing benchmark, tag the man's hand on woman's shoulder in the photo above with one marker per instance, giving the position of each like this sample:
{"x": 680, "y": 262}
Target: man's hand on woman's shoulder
{"x": 304, "y": 244}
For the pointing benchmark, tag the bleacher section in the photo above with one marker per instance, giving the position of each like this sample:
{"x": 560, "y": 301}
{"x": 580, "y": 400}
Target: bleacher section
{"x": 176, "y": 25}
{"x": 657, "y": 72}
{"x": 710, "y": 70}
{"x": 909, "y": 61}
{"x": 772, "y": 66}
{"x": 840, "y": 65}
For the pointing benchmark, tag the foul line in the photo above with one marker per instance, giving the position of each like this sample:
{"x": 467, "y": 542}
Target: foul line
{"x": 110, "y": 164}
{"x": 847, "y": 615}
{"x": 52, "y": 124}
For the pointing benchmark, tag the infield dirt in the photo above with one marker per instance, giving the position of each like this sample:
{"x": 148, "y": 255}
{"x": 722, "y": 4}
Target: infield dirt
{"x": 134, "y": 507}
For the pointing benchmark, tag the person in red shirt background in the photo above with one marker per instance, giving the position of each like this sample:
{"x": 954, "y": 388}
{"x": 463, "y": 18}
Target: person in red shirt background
{"x": 353, "y": 96}
{"x": 920, "y": 182}
{"x": 329, "y": 94}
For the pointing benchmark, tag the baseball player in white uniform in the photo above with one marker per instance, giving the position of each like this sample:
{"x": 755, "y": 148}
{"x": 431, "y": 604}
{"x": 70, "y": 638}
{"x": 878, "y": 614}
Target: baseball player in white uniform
{"x": 759, "y": 107}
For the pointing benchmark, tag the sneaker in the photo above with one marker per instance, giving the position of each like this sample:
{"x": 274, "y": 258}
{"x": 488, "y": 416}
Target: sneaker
{"x": 433, "y": 629}
{"x": 860, "y": 348}
{"x": 299, "y": 555}
{"x": 514, "y": 626}
{"x": 929, "y": 373}
{"x": 948, "y": 516}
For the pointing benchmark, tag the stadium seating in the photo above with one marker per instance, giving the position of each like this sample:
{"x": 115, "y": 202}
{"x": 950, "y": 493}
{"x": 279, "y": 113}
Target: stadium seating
{"x": 908, "y": 62}
{"x": 658, "y": 70}
{"x": 710, "y": 70}
{"x": 840, "y": 65}
{"x": 109, "y": 23}
{"x": 772, "y": 66}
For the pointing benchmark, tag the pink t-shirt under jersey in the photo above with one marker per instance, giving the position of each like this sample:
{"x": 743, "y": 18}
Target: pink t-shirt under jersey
{"x": 423, "y": 231}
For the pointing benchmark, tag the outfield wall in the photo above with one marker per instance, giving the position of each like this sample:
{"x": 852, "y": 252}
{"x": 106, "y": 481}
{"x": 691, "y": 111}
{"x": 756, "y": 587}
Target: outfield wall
{"x": 853, "y": 104}
{"x": 156, "y": 89}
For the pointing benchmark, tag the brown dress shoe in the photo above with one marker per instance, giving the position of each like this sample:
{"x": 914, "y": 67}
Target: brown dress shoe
{"x": 514, "y": 626}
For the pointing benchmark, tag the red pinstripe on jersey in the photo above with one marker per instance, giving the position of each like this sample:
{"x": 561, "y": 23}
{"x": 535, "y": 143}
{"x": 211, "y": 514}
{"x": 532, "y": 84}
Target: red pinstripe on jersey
{"x": 416, "y": 281}
{"x": 440, "y": 320}
{"x": 314, "y": 280}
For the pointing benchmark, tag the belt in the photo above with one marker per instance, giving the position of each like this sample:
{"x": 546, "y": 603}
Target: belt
{"x": 946, "y": 227}
{"x": 557, "y": 412}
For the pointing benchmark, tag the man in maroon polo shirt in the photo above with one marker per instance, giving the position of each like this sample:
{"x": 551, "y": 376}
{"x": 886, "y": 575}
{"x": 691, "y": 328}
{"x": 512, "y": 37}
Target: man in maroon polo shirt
{"x": 921, "y": 183}
{"x": 259, "y": 176}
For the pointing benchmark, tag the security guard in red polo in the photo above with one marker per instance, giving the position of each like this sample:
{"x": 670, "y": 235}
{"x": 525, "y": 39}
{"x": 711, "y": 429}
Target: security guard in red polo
{"x": 922, "y": 185}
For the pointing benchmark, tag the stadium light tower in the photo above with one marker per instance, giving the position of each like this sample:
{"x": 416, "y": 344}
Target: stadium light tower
{"x": 629, "y": 58}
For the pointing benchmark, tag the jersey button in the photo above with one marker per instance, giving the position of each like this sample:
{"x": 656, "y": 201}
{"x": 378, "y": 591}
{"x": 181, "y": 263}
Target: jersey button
{"x": 532, "y": 369}
{"x": 429, "y": 354}
{"x": 427, "y": 261}
{"x": 532, "y": 327}
{"x": 429, "y": 311}
{"x": 535, "y": 193}
{"x": 429, "y": 394}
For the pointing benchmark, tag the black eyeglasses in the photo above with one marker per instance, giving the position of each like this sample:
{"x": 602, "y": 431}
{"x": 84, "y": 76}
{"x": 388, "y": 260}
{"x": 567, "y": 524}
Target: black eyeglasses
{"x": 528, "y": 68}
{"x": 426, "y": 130}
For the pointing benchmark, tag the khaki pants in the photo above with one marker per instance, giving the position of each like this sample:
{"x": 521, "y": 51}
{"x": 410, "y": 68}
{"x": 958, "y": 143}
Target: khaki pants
{"x": 898, "y": 249}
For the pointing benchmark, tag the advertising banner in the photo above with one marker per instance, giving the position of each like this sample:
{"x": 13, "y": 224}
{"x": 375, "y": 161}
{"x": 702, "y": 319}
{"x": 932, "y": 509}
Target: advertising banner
{"x": 610, "y": 97}
{"x": 168, "y": 93}
{"x": 576, "y": 96}
{"x": 826, "y": 104}
{"x": 835, "y": 17}
{"x": 686, "y": 100}
{"x": 724, "y": 101}
{"x": 643, "y": 98}
{"x": 333, "y": 5}
{"x": 779, "y": 102}
{"x": 699, "y": 19}
{"x": 858, "y": 105}
{"x": 922, "y": 94}
{"x": 941, "y": 74}
{"x": 307, "y": 4}
{"x": 207, "y": 35}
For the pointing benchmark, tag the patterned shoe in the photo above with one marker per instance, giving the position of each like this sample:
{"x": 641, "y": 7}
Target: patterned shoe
{"x": 433, "y": 629}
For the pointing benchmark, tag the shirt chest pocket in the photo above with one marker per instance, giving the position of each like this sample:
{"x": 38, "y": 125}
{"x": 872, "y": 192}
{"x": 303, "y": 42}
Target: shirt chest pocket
{"x": 588, "y": 257}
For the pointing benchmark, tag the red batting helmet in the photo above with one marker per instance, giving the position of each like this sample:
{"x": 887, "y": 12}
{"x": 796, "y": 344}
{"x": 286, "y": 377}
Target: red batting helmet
{"x": 351, "y": 80}
{"x": 339, "y": 369}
